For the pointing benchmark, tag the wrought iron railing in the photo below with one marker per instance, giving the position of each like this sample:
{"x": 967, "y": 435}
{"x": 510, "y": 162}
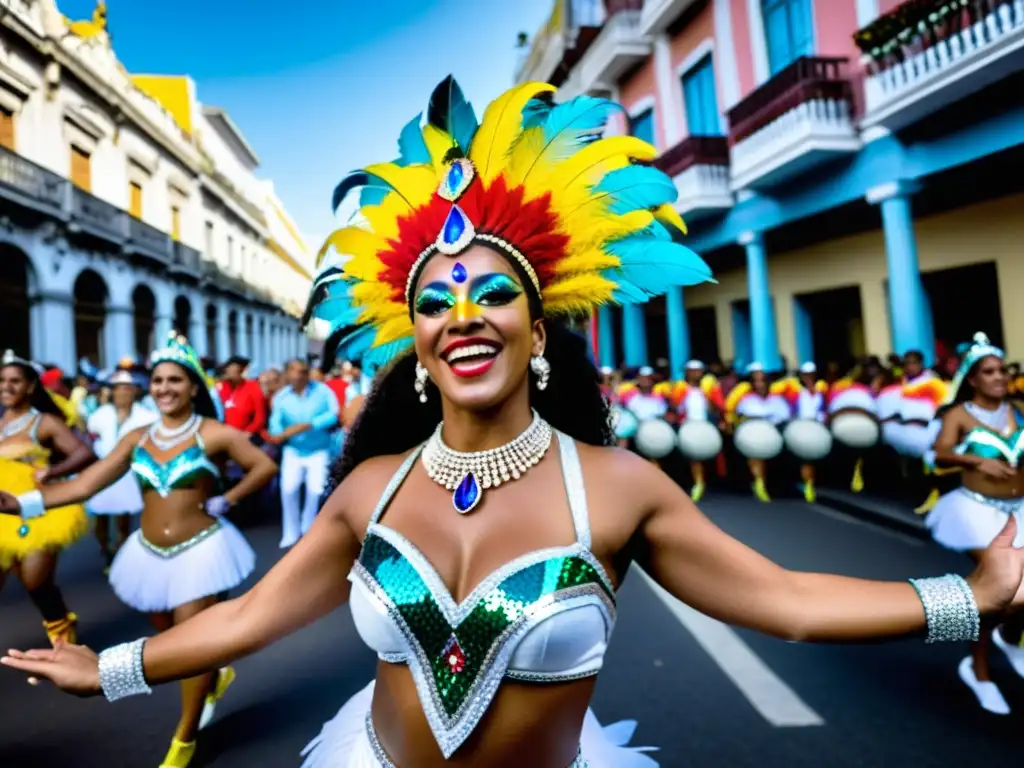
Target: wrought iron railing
{"x": 33, "y": 183}
{"x": 97, "y": 216}
{"x": 809, "y": 78}
{"x": 694, "y": 150}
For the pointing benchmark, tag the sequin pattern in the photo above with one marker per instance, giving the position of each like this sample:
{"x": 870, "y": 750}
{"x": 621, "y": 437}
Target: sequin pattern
{"x": 178, "y": 472}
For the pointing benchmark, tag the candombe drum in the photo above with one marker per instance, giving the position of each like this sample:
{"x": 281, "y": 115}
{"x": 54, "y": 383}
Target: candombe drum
{"x": 700, "y": 440}
{"x": 854, "y": 422}
{"x": 624, "y": 423}
{"x": 758, "y": 439}
{"x": 807, "y": 439}
{"x": 655, "y": 439}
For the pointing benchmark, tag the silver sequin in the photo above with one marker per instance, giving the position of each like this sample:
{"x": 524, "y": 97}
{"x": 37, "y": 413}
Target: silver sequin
{"x": 121, "y": 673}
{"x": 949, "y": 608}
{"x": 177, "y": 549}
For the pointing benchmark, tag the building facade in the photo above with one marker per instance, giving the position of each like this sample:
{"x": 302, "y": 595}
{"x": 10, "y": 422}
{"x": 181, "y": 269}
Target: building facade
{"x": 850, "y": 169}
{"x": 128, "y": 209}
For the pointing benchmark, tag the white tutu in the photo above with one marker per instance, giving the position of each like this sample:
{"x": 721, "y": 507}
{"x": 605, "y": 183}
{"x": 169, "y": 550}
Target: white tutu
{"x": 965, "y": 520}
{"x": 345, "y": 743}
{"x": 209, "y": 564}
{"x": 122, "y": 498}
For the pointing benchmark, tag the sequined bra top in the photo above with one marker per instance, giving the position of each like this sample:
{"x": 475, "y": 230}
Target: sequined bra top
{"x": 546, "y": 616}
{"x": 987, "y": 444}
{"x": 30, "y": 452}
{"x": 180, "y": 471}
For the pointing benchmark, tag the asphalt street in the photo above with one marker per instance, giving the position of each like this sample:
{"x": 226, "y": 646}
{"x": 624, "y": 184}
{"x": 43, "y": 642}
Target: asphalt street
{"x": 706, "y": 694}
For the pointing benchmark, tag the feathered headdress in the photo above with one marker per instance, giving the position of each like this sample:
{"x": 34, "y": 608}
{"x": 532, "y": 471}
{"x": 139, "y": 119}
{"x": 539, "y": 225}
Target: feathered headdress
{"x": 978, "y": 348}
{"x": 10, "y": 358}
{"x": 179, "y": 351}
{"x": 584, "y": 220}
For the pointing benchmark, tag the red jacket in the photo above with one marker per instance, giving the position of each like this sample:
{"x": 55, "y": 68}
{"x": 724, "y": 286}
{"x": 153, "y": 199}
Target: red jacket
{"x": 244, "y": 406}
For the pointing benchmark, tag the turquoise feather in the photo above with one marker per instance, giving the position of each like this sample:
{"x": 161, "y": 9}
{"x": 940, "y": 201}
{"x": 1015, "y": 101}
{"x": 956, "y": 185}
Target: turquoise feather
{"x": 536, "y": 111}
{"x": 636, "y": 188}
{"x": 449, "y": 111}
{"x": 384, "y": 354}
{"x": 584, "y": 115}
{"x": 652, "y": 265}
{"x": 412, "y": 148}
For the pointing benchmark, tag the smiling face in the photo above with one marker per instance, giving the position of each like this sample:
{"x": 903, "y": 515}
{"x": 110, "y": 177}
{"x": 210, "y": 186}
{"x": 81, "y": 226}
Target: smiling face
{"x": 990, "y": 378}
{"x": 473, "y": 330}
{"x": 15, "y": 386}
{"x": 172, "y": 389}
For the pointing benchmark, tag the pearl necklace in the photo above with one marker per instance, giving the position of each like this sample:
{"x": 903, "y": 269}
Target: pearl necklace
{"x": 165, "y": 439}
{"x": 18, "y": 424}
{"x": 468, "y": 475}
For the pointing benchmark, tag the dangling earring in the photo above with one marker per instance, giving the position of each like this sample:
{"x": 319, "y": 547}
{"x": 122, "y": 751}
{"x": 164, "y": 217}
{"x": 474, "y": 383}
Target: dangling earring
{"x": 420, "y": 385}
{"x": 540, "y": 366}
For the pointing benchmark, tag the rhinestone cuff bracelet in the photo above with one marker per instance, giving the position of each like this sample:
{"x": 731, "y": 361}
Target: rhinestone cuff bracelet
{"x": 121, "y": 673}
{"x": 949, "y": 608}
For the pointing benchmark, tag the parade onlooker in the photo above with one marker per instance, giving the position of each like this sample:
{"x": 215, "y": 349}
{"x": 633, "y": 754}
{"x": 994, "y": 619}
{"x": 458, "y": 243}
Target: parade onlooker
{"x": 244, "y": 404}
{"x": 302, "y": 415}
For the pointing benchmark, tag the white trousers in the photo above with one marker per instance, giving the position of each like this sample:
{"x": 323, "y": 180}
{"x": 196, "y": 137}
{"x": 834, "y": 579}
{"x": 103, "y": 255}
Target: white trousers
{"x": 300, "y": 471}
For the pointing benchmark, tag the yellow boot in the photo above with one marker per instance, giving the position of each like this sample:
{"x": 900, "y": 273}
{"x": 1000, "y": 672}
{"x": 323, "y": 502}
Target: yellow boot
{"x": 857, "y": 483}
{"x": 929, "y": 503}
{"x": 225, "y": 677}
{"x": 809, "y": 495}
{"x": 179, "y": 755}
{"x": 697, "y": 492}
{"x": 65, "y": 629}
{"x": 760, "y": 491}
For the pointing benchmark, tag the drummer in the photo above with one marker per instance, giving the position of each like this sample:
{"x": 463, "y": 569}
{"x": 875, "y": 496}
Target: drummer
{"x": 921, "y": 394}
{"x": 809, "y": 405}
{"x": 858, "y": 393}
{"x": 642, "y": 400}
{"x": 752, "y": 399}
{"x": 698, "y": 398}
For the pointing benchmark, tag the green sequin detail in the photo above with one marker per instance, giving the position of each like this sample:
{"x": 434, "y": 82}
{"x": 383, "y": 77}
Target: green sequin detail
{"x": 492, "y": 615}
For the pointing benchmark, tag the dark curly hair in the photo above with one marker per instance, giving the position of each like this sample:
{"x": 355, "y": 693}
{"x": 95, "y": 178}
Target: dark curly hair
{"x": 393, "y": 420}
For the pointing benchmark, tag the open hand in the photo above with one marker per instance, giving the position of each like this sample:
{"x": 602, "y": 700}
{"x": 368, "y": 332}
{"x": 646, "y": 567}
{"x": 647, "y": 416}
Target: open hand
{"x": 996, "y": 470}
{"x": 72, "y": 668}
{"x": 996, "y": 582}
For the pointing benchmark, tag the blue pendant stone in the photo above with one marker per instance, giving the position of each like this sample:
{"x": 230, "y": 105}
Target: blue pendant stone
{"x": 459, "y": 274}
{"x": 454, "y": 225}
{"x": 23, "y": 531}
{"x": 455, "y": 177}
{"x": 467, "y": 495}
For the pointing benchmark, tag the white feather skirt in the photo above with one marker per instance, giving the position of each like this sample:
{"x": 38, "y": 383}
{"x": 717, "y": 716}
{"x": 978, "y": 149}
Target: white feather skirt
{"x": 344, "y": 741}
{"x": 212, "y": 562}
{"x": 124, "y": 497}
{"x": 963, "y": 520}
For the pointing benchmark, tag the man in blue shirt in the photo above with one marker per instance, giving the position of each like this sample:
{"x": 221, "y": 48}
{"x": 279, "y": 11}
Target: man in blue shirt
{"x": 301, "y": 417}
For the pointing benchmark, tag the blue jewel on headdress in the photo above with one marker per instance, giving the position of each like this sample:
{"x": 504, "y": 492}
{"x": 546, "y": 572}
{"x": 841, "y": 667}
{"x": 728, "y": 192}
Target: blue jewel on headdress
{"x": 459, "y": 272}
{"x": 456, "y": 233}
{"x": 456, "y": 180}
{"x": 467, "y": 495}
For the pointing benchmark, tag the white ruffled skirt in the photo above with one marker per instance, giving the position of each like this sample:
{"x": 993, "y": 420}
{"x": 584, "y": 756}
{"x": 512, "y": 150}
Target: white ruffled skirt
{"x": 964, "y": 520}
{"x": 346, "y": 741}
{"x": 122, "y": 498}
{"x": 154, "y": 579}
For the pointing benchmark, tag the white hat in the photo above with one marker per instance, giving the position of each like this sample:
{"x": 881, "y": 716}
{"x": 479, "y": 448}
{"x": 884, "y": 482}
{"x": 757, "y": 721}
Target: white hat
{"x": 121, "y": 377}
{"x": 606, "y": 370}
{"x": 755, "y": 368}
{"x": 694, "y": 365}
{"x": 808, "y": 368}
{"x": 645, "y": 370}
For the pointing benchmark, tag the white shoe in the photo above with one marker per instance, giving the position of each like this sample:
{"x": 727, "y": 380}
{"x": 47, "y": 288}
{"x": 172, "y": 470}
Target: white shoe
{"x": 988, "y": 694}
{"x": 1014, "y": 653}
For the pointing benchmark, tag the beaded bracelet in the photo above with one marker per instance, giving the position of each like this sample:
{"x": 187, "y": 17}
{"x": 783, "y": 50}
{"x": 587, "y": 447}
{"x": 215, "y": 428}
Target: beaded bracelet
{"x": 121, "y": 673}
{"x": 31, "y": 504}
{"x": 949, "y": 609}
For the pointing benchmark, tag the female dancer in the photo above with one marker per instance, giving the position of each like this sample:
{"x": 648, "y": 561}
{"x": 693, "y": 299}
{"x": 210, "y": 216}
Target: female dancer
{"x": 109, "y": 424}
{"x": 32, "y": 429}
{"x": 982, "y": 432}
{"x": 753, "y": 400}
{"x": 186, "y": 555}
{"x": 482, "y": 543}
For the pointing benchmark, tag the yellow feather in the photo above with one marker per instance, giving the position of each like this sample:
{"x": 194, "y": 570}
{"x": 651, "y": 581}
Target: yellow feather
{"x": 667, "y": 213}
{"x": 393, "y": 329}
{"x": 501, "y": 126}
{"x": 415, "y": 184}
{"x": 589, "y": 260}
{"x": 383, "y": 218}
{"x": 579, "y": 293}
{"x": 589, "y": 165}
{"x": 370, "y": 294}
{"x": 438, "y": 143}
{"x": 351, "y": 241}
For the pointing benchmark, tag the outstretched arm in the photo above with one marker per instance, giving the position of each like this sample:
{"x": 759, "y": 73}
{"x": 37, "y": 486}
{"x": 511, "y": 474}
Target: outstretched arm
{"x": 308, "y": 583}
{"x": 703, "y": 566}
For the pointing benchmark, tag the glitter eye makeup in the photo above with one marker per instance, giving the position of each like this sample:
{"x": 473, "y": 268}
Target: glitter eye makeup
{"x": 494, "y": 290}
{"x": 434, "y": 299}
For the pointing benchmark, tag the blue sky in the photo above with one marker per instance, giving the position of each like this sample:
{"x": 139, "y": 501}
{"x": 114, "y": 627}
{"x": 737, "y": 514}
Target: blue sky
{"x": 320, "y": 87}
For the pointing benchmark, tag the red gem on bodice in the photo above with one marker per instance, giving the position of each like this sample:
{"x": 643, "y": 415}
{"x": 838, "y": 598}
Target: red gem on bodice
{"x": 453, "y": 655}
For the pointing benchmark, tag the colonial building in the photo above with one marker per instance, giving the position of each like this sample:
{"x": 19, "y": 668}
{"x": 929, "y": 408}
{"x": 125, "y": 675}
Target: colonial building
{"x": 128, "y": 209}
{"x": 850, "y": 169}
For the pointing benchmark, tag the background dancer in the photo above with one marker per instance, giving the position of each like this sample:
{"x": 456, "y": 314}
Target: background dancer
{"x": 301, "y": 419}
{"x": 753, "y": 401}
{"x": 32, "y": 431}
{"x": 982, "y": 432}
{"x": 698, "y": 400}
{"x": 186, "y": 556}
{"x": 108, "y": 425}
{"x": 809, "y": 406}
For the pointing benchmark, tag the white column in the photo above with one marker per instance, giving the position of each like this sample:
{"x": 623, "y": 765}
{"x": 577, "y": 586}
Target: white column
{"x": 758, "y": 42}
{"x": 223, "y": 350}
{"x": 667, "y": 92}
{"x": 53, "y": 329}
{"x": 728, "y": 74}
{"x": 162, "y": 329}
{"x": 118, "y": 334}
{"x": 243, "y": 336}
{"x": 197, "y": 325}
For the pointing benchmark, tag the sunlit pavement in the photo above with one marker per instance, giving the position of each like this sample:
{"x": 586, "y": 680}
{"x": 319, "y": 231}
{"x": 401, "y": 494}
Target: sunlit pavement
{"x": 707, "y": 695}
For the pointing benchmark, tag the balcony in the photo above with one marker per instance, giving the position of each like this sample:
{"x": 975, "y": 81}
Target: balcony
{"x": 29, "y": 185}
{"x": 798, "y": 119}
{"x": 148, "y": 242}
{"x": 186, "y": 261}
{"x": 927, "y": 54}
{"x": 97, "y": 218}
{"x": 618, "y": 47}
{"x": 561, "y": 42}
{"x": 699, "y": 167}
{"x": 658, "y": 15}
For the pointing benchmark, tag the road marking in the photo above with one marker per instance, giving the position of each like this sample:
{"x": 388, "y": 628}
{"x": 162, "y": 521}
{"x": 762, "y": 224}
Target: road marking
{"x": 767, "y": 693}
{"x": 843, "y": 517}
